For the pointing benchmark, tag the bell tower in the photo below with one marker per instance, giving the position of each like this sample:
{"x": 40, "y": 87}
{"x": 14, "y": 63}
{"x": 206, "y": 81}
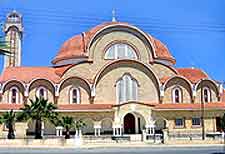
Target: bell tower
{"x": 13, "y": 29}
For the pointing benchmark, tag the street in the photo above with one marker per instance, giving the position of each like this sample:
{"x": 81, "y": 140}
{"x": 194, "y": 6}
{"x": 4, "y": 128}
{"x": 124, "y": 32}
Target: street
{"x": 146, "y": 150}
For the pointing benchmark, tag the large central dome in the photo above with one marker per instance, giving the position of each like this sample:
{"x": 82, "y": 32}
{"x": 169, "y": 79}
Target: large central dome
{"x": 77, "y": 46}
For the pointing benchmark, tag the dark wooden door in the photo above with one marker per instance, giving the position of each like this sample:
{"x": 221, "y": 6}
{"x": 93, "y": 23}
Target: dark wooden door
{"x": 129, "y": 124}
{"x": 218, "y": 124}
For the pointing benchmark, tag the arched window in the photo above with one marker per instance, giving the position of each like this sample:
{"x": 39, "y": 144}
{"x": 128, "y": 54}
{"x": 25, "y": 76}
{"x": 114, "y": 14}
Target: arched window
{"x": 127, "y": 89}
{"x": 120, "y": 51}
{"x": 41, "y": 92}
{"x": 14, "y": 95}
{"x": 74, "y": 96}
{"x": 206, "y": 95}
{"x": 177, "y": 95}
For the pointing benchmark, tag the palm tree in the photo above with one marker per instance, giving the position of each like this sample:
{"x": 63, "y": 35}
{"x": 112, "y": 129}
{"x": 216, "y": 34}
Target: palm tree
{"x": 69, "y": 123}
{"x": 9, "y": 119}
{"x": 39, "y": 110}
{"x": 4, "y": 47}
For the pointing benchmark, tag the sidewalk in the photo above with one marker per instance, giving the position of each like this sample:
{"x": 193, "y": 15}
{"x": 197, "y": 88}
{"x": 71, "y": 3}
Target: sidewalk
{"x": 116, "y": 145}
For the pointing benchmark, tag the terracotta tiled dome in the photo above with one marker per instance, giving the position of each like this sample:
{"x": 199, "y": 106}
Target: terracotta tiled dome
{"x": 76, "y": 46}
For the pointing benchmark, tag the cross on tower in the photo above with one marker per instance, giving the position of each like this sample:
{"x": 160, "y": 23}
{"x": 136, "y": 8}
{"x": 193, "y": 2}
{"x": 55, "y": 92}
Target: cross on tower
{"x": 113, "y": 15}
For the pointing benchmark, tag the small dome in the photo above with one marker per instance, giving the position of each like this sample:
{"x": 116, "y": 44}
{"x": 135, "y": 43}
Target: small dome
{"x": 72, "y": 48}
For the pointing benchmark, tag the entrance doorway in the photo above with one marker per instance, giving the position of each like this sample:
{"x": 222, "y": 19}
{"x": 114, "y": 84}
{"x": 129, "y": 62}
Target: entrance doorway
{"x": 129, "y": 124}
{"x": 218, "y": 124}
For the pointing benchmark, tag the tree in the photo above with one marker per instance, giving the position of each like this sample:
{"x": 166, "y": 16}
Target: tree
{"x": 39, "y": 110}
{"x": 9, "y": 119}
{"x": 4, "y": 47}
{"x": 69, "y": 123}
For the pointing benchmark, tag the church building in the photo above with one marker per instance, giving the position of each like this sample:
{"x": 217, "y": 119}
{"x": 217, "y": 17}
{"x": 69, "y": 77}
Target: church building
{"x": 118, "y": 79}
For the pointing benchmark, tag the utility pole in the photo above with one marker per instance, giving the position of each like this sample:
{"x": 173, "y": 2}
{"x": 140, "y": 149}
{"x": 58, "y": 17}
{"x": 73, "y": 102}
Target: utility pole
{"x": 202, "y": 113}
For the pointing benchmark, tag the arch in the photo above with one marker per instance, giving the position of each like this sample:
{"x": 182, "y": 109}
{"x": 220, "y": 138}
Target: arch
{"x": 189, "y": 90}
{"x": 107, "y": 126}
{"x": 13, "y": 80}
{"x": 160, "y": 119}
{"x": 125, "y": 27}
{"x": 209, "y": 80}
{"x": 160, "y": 124}
{"x": 133, "y": 122}
{"x": 36, "y": 79}
{"x": 181, "y": 77}
{"x": 134, "y": 102}
{"x": 12, "y": 27}
{"x": 129, "y": 123}
{"x": 78, "y": 78}
{"x": 89, "y": 126}
{"x": 127, "y": 62}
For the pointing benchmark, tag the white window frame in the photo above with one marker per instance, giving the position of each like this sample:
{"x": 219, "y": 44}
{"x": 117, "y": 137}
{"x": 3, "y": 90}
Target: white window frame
{"x": 127, "y": 95}
{"x": 179, "y": 126}
{"x": 116, "y": 54}
{"x": 17, "y": 95}
{"x": 174, "y": 95}
{"x": 208, "y": 94}
{"x": 194, "y": 125}
{"x": 71, "y": 95}
{"x": 45, "y": 92}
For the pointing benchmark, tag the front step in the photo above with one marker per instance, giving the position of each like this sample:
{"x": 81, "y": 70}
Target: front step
{"x": 135, "y": 137}
{"x": 108, "y": 138}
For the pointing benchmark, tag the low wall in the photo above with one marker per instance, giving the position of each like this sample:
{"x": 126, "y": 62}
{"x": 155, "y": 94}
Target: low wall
{"x": 196, "y": 141}
{"x": 40, "y": 142}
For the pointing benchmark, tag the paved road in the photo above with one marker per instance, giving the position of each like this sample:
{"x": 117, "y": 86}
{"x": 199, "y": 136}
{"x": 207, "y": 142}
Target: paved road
{"x": 149, "y": 150}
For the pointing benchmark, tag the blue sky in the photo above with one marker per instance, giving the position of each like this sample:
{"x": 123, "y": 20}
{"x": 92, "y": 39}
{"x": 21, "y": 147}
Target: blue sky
{"x": 193, "y": 30}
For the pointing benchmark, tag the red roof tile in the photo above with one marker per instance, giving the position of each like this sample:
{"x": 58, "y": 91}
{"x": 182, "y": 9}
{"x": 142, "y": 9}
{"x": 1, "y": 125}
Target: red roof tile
{"x": 188, "y": 106}
{"x": 63, "y": 107}
{"x": 62, "y": 69}
{"x": 74, "y": 47}
{"x": 6, "y": 106}
{"x": 26, "y": 74}
{"x": 192, "y": 74}
{"x": 164, "y": 79}
{"x": 85, "y": 107}
{"x": 77, "y": 45}
{"x": 162, "y": 51}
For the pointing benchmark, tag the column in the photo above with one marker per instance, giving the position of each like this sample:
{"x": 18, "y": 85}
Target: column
{"x": 99, "y": 130}
{"x": 117, "y": 130}
{"x": 59, "y": 130}
{"x": 42, "y": 128}
{"x": 120, "y": 131}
